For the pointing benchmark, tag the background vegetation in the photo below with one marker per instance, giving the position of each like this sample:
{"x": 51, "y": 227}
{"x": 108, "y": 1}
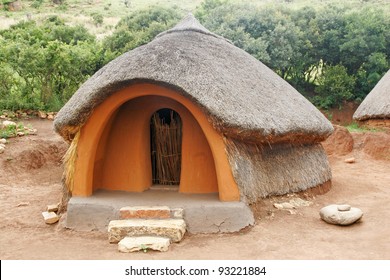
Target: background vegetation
{"x": 331, "y": 51}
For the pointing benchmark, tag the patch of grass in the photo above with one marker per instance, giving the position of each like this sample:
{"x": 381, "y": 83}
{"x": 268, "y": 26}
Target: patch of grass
{"x": 355, "y": 127}
{"x": 14, "y": 130}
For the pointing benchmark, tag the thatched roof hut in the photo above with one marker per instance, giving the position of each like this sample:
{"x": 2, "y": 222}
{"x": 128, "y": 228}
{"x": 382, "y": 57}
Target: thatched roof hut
{"x": 265, "y": 135}
{"x": 375, "y": 108}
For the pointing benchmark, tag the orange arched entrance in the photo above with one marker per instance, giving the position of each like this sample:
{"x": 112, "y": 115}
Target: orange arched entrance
{"x": 114, "y": 146}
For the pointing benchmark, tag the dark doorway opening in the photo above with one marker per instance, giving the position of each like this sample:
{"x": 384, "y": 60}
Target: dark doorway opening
{"x": 165, "y": 144}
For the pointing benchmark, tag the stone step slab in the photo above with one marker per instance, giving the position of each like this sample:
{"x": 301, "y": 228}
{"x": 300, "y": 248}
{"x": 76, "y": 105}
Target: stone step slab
{"x": 150, "y": 212}
{"x": 145, "y": 212}
{"x": 174, "y": 229}
{"x": 143, "y": 243}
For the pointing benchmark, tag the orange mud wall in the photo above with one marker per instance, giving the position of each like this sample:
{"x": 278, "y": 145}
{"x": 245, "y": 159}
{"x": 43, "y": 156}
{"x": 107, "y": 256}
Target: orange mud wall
{"x": 114, "y": 146}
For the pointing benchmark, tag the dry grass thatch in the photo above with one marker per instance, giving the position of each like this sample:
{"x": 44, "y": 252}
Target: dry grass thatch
{"x": 243, "y": 98}
{"x": 70, "y": 160}
{"x": 377, "y": 103}
{"x": 264, "y": 170}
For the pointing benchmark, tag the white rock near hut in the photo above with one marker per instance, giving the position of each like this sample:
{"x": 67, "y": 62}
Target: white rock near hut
{"x": 340, "y": 214}
{"x": 140, "y": 243}
{"x": 53, "y": 207}
{"x": 2, "y": 149}
{"x": 50, "y": 217}
{"x": 350, "y": 160}
{"x": 3, "y": 141}
{"x": 9, "y": 123}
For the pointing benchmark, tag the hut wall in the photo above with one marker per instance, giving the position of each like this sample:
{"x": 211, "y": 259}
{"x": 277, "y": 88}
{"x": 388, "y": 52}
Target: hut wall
{"x": 127, "y": 159}
{"x": 261, "y": 170}
{"x": 114, "y": 146}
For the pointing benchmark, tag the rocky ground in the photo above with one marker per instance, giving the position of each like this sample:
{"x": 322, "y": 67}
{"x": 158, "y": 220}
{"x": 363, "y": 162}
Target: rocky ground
{"x": 30, "y": 179}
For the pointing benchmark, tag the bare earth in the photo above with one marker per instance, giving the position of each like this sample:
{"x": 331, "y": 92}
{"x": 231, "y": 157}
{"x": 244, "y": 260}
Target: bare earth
{"x": 30, "y": 179}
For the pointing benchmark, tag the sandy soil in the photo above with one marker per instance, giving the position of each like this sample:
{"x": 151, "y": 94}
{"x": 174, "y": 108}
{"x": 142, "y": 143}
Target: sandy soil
{"x": 30, "y": 179}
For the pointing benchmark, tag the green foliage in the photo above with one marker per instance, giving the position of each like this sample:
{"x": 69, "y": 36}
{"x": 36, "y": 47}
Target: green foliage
{"x": 369, "y": 74}
{"x": 13, "y": 130}
{"x": 355, "y": 127}
{"x": 37, "y": 4}
{"x": 97, "y": 19}
{"x": 335, "y": 86}
{"x": 299, "y": 43}
{"x": 41, "y": 66}
{"x": 140, "y": 27}
{"x": 330, "y": 53}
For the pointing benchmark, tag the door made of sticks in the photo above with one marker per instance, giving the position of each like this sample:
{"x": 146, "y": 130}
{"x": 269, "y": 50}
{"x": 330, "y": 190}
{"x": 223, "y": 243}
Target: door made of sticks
{"x": 166, "y": 143}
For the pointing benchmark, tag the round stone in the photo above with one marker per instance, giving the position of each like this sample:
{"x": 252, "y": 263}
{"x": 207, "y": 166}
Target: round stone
{"x": 332, "y": 215}
{"x": 344, "y": 207}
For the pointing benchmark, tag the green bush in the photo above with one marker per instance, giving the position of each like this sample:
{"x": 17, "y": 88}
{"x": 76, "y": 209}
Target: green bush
{"x": 140, "y": 28}
{"x": 97, "y": 19}
{"x": 335, "y": 86}
{"x": 41, "y": 66}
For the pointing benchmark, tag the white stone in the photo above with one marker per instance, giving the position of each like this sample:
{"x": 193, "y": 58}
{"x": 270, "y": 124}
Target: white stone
{"x": 283, "y": 205}
{"x": 42, "y": 115}
{"x": 177, "y": 213}
{"x": 332, "y": 215}
{"x": 9, "y": 123}
{"x": 53, "y": 207}
{"x": 298, "y": 202}
{"x": 143, "y": 243}
{"x": 3, "y": 141}
{"x": 50, "y": 217}
{"x": 2, "y": 145}
{"x": 350, "y": 160}
{"x": 173, "y": 229}
{"x": 344, "y": 207}
{"x": 2, "y": 150}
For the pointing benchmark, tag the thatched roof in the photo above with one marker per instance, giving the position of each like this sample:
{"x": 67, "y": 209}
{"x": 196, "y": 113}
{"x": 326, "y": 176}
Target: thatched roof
{"x": 377, "y": 103}
{"x": 242, "y": 97}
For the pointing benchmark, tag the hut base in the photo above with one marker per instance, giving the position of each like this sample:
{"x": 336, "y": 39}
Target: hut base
{"x": 203, "y": 213}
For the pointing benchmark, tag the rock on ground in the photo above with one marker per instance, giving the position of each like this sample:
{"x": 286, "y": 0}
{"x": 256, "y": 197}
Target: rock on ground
{"x": 8, "y": 123}
{"x": 350, "y": 160}
{"x": 143, "y": 243}
{"x": 50, "y": 217}
{"x": 340, "y": 214}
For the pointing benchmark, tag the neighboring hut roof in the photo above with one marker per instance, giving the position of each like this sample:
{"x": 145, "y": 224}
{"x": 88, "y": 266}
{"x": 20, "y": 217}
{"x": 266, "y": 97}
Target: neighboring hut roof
{"x": 243, "y": 98}
{"x": 377, "y": 103}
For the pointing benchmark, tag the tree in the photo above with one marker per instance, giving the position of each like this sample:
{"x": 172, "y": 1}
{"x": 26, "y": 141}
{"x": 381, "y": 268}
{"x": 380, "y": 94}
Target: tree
{"x": 335, "y": 86}
{"x": 140, "y": 27}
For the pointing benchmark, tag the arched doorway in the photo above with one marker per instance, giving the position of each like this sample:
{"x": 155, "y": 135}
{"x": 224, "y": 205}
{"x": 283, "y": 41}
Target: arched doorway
{"x": 166, "y": 147}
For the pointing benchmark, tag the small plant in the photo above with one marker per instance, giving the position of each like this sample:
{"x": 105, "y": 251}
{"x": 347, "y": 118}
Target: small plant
{"x": 144, "y": 248}
{"x": 19, "y": 129}
{"x": 37, "y": 4}
{"x": 97, "y": 19}
{"x": 355, "y": 127}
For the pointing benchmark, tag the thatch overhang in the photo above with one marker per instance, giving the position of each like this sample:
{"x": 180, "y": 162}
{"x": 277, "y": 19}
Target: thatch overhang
{"x": 377, "y": 103}
{"x": 242, "y": 97}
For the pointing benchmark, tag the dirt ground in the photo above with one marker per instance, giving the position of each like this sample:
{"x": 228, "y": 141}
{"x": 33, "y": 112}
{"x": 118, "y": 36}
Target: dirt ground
{"x": 30, "y": 179}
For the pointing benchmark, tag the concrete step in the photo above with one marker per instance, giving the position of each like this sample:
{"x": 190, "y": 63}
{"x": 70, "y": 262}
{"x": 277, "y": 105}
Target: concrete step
{"x": 143, "y": 243}
{"x": 150, "y": 212}
{"x": 174, "y": 229}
